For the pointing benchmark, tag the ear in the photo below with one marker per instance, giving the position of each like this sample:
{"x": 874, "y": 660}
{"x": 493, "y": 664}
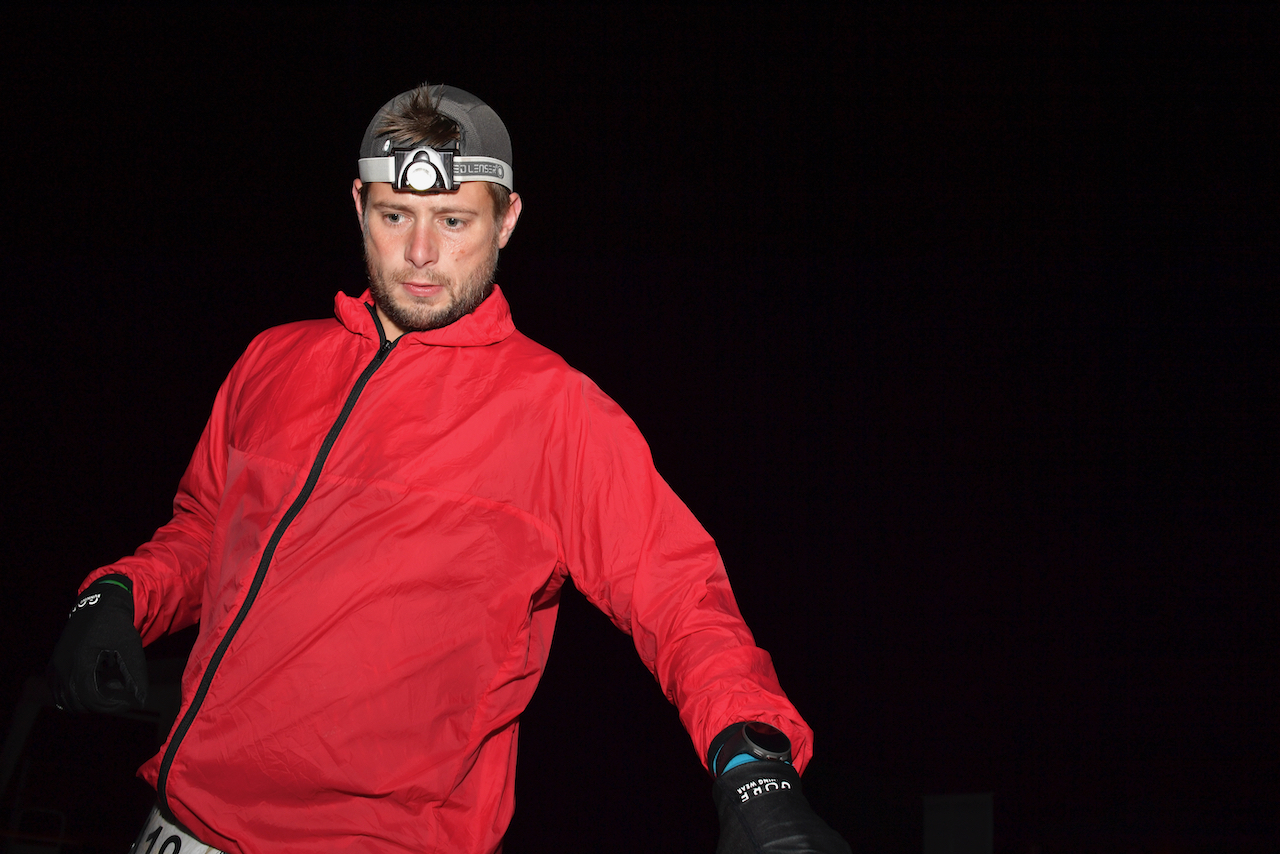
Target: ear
{"x": 355, "y": 195}
{"x": 509, "y": 220}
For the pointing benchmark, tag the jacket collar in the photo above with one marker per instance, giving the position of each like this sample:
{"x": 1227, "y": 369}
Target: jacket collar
{"x": 488, "y": 324}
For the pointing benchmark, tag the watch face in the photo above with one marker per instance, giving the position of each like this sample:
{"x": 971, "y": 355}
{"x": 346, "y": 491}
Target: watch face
{"x": 768, "y": 739}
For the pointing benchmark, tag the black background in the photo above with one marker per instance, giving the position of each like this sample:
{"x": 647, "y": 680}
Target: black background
{"x": 956, "y": 329}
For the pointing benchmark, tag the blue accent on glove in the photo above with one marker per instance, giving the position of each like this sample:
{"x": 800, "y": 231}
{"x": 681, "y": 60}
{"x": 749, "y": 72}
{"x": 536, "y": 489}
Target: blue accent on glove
{"x": 741, "y": 759}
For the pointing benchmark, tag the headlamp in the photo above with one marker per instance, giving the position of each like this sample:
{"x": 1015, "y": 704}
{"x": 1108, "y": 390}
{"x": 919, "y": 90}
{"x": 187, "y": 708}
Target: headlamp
{"x": 422, "y": 169}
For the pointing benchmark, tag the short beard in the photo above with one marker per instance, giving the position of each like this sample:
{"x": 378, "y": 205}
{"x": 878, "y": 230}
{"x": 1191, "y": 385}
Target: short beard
{"x": 465, "y": 295}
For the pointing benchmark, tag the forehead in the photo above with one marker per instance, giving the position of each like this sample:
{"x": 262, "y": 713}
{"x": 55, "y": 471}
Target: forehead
{"x": 470, "y": 196}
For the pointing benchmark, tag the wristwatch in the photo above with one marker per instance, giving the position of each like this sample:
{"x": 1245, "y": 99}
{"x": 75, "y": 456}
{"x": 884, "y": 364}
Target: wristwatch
{"x": 748, "y": 741}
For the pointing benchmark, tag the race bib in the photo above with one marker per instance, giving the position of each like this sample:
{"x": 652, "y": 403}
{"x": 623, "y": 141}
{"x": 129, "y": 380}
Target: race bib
{"x": 161, "y": 836}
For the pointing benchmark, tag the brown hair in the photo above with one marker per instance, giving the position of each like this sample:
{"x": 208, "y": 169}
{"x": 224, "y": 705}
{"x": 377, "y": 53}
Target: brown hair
{"x": 417, "y": 121}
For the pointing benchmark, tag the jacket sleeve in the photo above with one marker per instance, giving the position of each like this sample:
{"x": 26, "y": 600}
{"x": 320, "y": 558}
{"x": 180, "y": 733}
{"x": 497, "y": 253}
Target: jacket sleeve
{"x": 168, "y": 571}
{"x": 638, "y": 554}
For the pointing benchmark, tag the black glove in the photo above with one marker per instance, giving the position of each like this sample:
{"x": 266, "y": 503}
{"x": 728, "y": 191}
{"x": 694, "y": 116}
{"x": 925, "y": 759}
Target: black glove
{"x": 763, "y": 811}
{"x": 98, "y": 664}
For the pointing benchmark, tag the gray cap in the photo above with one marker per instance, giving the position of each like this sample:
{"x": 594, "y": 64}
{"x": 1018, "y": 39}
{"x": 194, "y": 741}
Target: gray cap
{"x": 483, "y": 152}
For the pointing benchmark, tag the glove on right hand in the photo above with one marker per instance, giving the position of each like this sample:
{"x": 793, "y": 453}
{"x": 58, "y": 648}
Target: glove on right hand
{"x": 763, "y": 811}
{"x": 98, "y": 664}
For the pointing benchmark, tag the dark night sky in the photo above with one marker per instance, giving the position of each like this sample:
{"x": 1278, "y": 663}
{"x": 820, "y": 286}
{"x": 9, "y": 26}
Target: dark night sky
{"x": 957, "y": 330}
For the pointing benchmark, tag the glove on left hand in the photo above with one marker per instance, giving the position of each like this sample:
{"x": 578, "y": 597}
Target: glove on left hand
{"x": 763, "y": 811}
{"x": 98, "y": 664}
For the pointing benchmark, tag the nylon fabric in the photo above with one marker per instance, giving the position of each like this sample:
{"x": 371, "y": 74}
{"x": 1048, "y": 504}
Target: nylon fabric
{"x": 370, "y": 699}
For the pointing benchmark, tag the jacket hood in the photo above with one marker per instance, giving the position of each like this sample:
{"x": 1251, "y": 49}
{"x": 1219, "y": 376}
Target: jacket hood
{"x": 488, "y": 324}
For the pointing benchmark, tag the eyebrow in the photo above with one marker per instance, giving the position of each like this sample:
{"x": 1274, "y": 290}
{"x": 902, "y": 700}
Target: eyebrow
{"x": 454, "y": 209}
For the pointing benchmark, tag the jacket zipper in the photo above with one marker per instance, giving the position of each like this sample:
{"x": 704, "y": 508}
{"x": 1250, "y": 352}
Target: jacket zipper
{"x": 180, "y": 732}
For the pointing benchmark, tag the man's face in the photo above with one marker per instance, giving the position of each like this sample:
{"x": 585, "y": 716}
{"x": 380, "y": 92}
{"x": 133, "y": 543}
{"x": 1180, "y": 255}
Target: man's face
{"x": 431, "y": 256}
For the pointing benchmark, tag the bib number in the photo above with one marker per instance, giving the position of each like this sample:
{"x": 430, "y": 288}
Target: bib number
{"x": 159, "y": 836}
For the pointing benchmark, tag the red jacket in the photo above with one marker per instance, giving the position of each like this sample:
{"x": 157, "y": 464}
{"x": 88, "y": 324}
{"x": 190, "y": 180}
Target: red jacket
{"x": 373, "y": 539}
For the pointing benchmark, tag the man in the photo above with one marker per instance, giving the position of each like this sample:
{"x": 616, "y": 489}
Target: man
{"x": 373, "y": 533}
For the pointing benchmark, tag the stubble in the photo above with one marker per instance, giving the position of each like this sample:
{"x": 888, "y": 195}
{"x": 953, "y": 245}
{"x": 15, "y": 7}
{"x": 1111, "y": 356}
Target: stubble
{"x": 416, "y": 315}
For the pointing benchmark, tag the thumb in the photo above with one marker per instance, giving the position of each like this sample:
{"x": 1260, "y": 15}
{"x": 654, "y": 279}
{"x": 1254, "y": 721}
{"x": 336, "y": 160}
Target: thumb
{"x": 121, "y": 679}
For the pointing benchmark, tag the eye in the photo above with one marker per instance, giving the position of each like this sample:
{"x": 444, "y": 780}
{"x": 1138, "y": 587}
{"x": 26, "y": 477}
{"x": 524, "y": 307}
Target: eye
{"x": 452, "y": 222}
{"x": 393, "y": 218}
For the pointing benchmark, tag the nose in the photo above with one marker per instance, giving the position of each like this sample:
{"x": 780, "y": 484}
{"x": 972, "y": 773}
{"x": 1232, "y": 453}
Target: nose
{"x": 421, "y": 250}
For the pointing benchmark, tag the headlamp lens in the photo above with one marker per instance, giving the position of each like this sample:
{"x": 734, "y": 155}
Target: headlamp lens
{"x": 420, "y": 175}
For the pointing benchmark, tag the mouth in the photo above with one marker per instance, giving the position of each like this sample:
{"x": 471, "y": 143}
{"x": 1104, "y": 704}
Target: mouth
{"x": 422, "y": 290}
